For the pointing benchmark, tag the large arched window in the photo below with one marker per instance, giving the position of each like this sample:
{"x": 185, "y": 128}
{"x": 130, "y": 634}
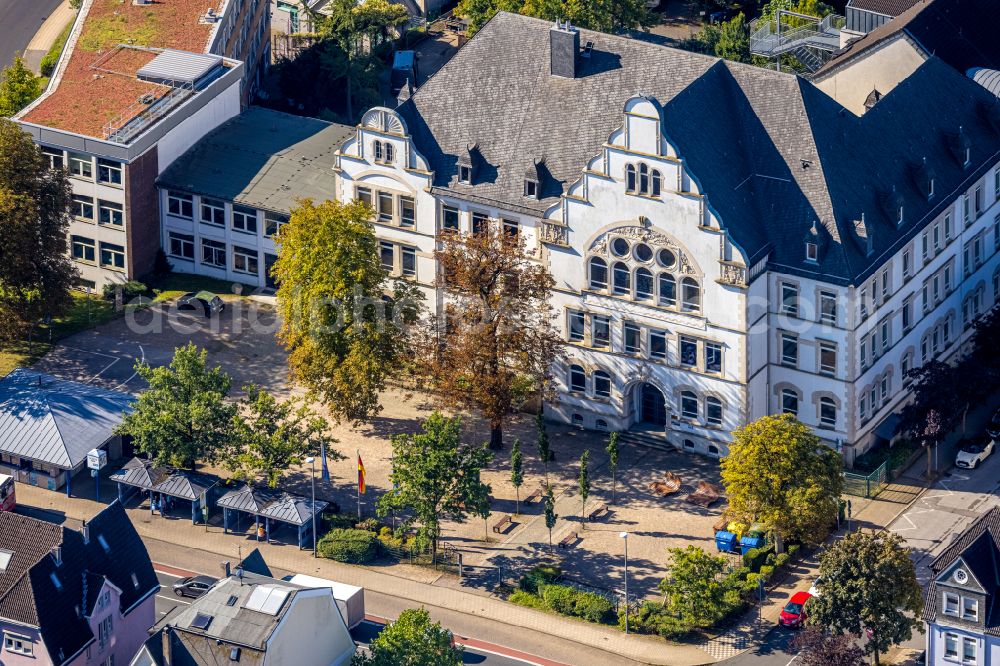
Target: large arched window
{"x": 789, "y": 402}
{"x": 827, "y": 412}
{"x": 622, "y": 279}
{"x": 713, "y": 411}
{"x": 689, "y": 405}
{"x": 643, "y": 179}
{"x": 602, "y": 384}
{"x": 643, "y": 283}
{"x": 598, "y": 273}
{"x": 629, "y": 178}
{"x": 668, "y": 290}
{"x": 577, "y": 378}
{"x": 690, "y": 295}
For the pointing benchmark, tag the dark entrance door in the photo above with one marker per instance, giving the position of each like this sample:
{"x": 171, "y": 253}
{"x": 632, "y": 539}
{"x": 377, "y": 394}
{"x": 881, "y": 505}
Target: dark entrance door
{"x": 269, "y": 260}
{"x": 653, "y": 407}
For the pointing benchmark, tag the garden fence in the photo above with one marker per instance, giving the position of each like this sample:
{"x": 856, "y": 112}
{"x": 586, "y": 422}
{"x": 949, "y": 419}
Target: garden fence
{"x": 861, "y": 485}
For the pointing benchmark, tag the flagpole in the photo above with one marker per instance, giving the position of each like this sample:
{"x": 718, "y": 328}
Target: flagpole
{"x": 359, "y": 483}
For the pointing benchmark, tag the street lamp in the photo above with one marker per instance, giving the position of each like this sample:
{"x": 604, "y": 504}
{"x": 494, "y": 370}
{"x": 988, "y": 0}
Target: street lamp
{"x": 624, "y": 535}
{"x": 312, "y": 476}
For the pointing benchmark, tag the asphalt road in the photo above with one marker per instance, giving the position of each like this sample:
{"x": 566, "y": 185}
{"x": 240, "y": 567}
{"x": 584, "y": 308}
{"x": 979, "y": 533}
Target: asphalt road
{"x": 773, "y": 651}
{"x": 19, "y": 21}
{"x": 166, "y": 602}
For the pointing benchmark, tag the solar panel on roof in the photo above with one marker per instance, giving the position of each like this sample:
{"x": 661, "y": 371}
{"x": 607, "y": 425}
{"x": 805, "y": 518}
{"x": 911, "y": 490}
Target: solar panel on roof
{"x": 201, "y": 621}
{"x": 267, "y": 599}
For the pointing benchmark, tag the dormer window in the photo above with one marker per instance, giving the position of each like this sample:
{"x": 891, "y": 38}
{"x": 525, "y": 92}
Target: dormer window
{"x": 465, "y": 174}
{"x": 970, "y": 609}
{"x": 383, "y": 152}
{"x": 930, "y": 188}
{"x": 812, "y": 251}
{"x": 950, "y": 604}
{"x": 531, "y": 188}
{"x": 899, "y": 215}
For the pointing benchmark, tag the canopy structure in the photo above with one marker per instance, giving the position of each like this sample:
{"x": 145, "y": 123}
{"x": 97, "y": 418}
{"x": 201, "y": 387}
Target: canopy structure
{"x": 164, "y": 484}
{"x": 271, "y": 505}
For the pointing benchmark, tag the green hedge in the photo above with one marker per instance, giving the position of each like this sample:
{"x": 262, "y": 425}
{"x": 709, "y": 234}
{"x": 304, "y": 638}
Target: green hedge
{"x": 522, "y": 598}
{"x": 653, "y": 618}
{"x": 571, "y": 601}
{"x": 49, "y": 60}
{"x": 755, "y": 558}
{"x": 542, "y": 574}
{"x": 130, "y": 289}
{"x": 349, "y": 545}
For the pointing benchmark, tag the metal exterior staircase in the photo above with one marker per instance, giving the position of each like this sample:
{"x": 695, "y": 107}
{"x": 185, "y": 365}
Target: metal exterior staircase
{"x": 809, "y": 39}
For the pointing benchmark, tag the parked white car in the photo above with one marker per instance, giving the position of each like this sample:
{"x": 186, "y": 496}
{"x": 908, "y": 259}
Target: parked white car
{"x": 971, "y": 455}
{"x": 814, "y": 589}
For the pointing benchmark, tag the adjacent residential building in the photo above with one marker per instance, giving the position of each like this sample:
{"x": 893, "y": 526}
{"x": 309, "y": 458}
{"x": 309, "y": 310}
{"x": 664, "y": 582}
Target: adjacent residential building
{"x": 251, "y": 619}
{"x": 79, "y": 598}
{"x": 222, "y": 201}
{"x": 47, "y": 426}
{"x": 124, "y": 103}
{"x": 863, "y": 16}
{"x": 726, "y": 241}
{"x": 962, "y": 602}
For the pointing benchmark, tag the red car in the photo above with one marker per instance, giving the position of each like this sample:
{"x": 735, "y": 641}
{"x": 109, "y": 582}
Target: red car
{"x": 794, "y": 611}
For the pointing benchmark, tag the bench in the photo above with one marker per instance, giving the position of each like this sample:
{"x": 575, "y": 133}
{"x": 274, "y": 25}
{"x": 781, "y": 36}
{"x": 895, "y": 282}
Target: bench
{"x": 502, "y": 523}
{"x": 662, "y": 489}
{"x": 533, "y": 496}
{"x": 704, "y": 496}
{"x": 593, "y": 515}
{"x": 568, "y": 539}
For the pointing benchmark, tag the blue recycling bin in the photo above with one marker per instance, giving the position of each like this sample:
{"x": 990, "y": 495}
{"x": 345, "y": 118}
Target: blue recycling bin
{"x": 726, "y": 542}
{"x": 751, "y": 540}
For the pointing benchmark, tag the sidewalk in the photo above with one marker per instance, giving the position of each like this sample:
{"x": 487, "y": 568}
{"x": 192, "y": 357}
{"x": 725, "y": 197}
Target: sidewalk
{"x": 642, "y": 649}
{"x": 47, "y": 35}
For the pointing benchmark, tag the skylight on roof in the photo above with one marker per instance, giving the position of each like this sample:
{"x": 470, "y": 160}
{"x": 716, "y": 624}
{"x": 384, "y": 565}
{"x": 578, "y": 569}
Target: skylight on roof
{"x": 55, "y": 580}
{"x": 5, "y": 556}
{"x": 201, "y": 621}
{"x": 267, "y": 599}
{"x": 104, "y": 543}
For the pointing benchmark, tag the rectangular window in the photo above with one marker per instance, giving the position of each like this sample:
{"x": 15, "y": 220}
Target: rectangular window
{"x": 601, "y": 333}
{"x": 907, "y": 314}
{"x": 924, "y": 250}
{"x": 480, "y": 221}
{"x": 576, "y": 325}
{"x": 907, "y": 264}
{"x": 17, "y": 644}
{"x": 386, "y": 253}
{"x": 109, "y": 171}
{"x": 968, "y": 650}
{"x": 977, "y": 250}
{"x": 873, "y": 342}
{"x": 947, "y": 279}
{"x": 657, "y": 345}
{"x": 408, "y": 261}
{"x": 55, "y": 158}
{"x": 827, "y": 358}
{"x": 82, "y": 207}
{"x": 364, "y": 195}
{"x": 689, "y": 351}
{"x": 873, "y": 398}
{"x": 936, "y": 289}
{"x": 385, "y": 207}
{"x": 827, "y": 413}
{"x": 632, "y": 336}
{"x": 213, "y": 211}
{"x": 83, "y": 249}
{"x": 885, "y": 285}
{"x": 884, "y": 388}
{"x": 970, "y": 609}
{"x": 828, "y": 307}
{"x": 864, "y": 303}
{"x": 966, "y": 213}
{"x": 979, "y": 200}
{"x": 110, "y": 213}
{"x": 81, "y": 166}
{"x": 245, "y": 260}
{"x": 407, "y": 212}
{"x": 245, "y": 219}
{"x": 273, "y": 223}
{"x": 863, "y": 407}
{"x": 713, "y": 357}
{"x": 689, "y": 405}
{"x": 112, "y": 256}
{"x": 449, "y": 218}
{"x": 511, "y": 228}
{"x": 951, "y": 646}
{"x": 864, "y": 354}
{"x": 213, "y": 253}
{"x": 713, "y": 411}
{"x": 937, "y": 238}
{"x": 789, "y": 299}
{"x": 996, "y": 184}
{"x": 181, "y": 245}
{"x": 886, "y": 335}
{"x": 104, "y": 631}
{"x": 947, "y": 226}
{"x": 789, "y": 349}
{"x": 602, "y": 384}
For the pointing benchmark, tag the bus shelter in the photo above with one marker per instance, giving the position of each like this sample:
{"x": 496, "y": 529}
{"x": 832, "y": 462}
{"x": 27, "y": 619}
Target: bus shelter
{"x": 168, "y": 488}
{"x": 269, "y": 510}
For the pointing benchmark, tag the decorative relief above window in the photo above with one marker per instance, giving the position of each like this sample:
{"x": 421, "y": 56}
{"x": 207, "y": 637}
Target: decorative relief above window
{"x": 733, "y": 274}
{"x": 556, "y": 234}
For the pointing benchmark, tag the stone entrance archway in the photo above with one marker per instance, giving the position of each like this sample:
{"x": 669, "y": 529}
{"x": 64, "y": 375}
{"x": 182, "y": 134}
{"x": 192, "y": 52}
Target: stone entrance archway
{"x": 652, "y": 406}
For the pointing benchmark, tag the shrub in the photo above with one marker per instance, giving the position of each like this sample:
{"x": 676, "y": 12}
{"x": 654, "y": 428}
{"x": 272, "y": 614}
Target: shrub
{"x": 369, "y": 524}
{"x": 755, "y": 558}
{"x": 766, "y": 572}
{"x": 793, "y": 551}
{"x": 770, "y": 559}
{"x": 351, "y": 546}
{"x": 560, "y": 598}
{"x": 653, "y": 618}
{"x": 340, "y": 521}
{"x": 538, "y": 576}
{"x": 49, "y": 60}
{"x": 522, "y": 598}
{"x": 593, "y": 607}
{"x": 130, "y": 290}
{"x": 781, "y": 560}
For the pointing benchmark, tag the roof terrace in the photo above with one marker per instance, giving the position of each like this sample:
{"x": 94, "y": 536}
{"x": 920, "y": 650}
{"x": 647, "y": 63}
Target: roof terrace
{"x": 99, "y": 89}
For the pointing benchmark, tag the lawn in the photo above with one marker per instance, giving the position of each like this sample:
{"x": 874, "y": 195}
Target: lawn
{"x": 178, "y": 284}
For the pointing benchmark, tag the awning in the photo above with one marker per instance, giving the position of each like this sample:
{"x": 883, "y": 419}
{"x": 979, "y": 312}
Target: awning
{"x": 887, "y": 429}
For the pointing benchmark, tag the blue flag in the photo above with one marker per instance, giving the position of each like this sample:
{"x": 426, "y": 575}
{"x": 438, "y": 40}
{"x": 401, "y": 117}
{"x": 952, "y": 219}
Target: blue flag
{"x": 325, "y": 475}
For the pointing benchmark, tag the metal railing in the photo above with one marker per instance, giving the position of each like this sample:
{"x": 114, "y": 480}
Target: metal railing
{"x": 133, "y": 121}
{"x": 867, "y": 485}
{"x": 808, "y": 37}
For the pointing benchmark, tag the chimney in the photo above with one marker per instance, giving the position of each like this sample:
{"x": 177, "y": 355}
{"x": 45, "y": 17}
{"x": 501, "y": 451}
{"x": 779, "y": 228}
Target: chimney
{"x": 57, "y": 555}
{"x": 85, "y": 529}
{"x": 226, "y": 568}
{"x": 167, "y": 646}
{"x": 564, "y": 44}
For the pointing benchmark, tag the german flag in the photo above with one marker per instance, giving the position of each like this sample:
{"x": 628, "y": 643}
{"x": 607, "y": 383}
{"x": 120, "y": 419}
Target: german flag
{"x": 361, "y": 476}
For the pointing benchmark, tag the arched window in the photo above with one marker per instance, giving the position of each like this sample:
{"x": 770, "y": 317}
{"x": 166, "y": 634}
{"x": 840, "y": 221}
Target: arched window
{"x": 601, "y": 424}
{"x": 643, "y": 283}
{"x": 377, "y": 146}
{"x": 598, "y": 273}
{"x": 789, "y": 402}
{"x": 602, "y": 384}
{"x": 713, "y": 450}
{"x": 643, "y": 179}
{"x": 827, "y": 412}
{"x": 578, "y": 420}
{"x": 689, "y": 405}
{"x": 668, "y": 290}
{"x": 657, "y": 181}
{"x": 629, "y": 178}
{"x": 688, "y": 444}
{"x": 577, "y": 378}
{"x": 389, "y": 150}
{"x": 690, "y": 295}
{"x": 622, "y": 279}
{"x": 713, "y": 411}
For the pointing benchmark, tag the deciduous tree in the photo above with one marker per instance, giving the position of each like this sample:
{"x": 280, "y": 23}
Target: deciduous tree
{"x": 583, "y": 484}
{"x": 18, "y": 87}
{"x": 516, "y": 474}
{"x": 729, "y": 40}
{"x": 693, "y": 589}
{"x": 268, "y": 436}
{"x": 612, "y": 451}
{"x": 544, "y": 453}
{"x": 435, "y": 477}
{"x": 494, "y": 343}
{"x": 550, "y": 511}
{"x": 818, "y": 648}
{"x": 183, "y": 416}
{"x": 343, "y": 340}
{"x": 869, "y": 584}
{"x": 613, "y": 16}
{"x": 36, "y": 273}
{"x": 411, "y": 640}
{"x": 779, "y": 473}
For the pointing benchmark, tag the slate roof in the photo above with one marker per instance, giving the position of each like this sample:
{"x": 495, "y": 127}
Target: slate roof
{"x": 261, "y": 158}
{"x": 274, "y": 504}
{"x": 29, "y": 596}
{"x": 960, "y": 32}
{"x": 979, "y": 548}
{"x": 140, "y": 473}
{"x": 772, "y": 153}
{"x": 56, "y": 421}
{"x": 884, "y": 7}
